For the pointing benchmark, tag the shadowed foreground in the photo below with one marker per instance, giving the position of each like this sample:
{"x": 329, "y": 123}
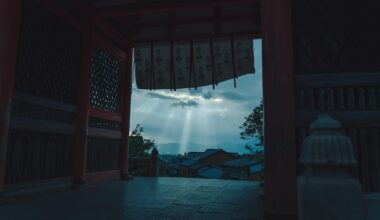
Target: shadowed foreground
{"x": 144, "y": 198}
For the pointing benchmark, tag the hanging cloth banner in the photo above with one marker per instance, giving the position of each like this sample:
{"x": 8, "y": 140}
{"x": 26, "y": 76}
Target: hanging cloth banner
{"x": 185, "y": 64}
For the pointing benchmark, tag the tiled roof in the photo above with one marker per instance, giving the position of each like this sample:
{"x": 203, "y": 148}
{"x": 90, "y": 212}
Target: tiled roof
{"x": 241, "y": 162}
{"x": 210, "y": 172}
{"x": 256, "y": 168}
{"x": 193, "y": 162}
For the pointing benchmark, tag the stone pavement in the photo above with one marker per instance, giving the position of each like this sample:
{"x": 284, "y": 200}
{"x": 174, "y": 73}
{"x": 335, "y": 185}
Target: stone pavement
{"x": 143, "y": 198}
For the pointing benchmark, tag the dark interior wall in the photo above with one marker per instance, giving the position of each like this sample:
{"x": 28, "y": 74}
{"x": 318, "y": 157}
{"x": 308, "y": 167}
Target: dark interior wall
{"x": 49, "y": 54}
{"x": 337, "y": 70}
{"x": 336, "y": 36}
{"x": 45, "y": 97}
{"x": 45, "y": 101}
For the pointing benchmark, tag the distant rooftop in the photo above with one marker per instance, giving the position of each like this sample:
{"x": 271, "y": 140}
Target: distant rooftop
{"x": 242, "y": 162}
{"x": 195, "y": 160}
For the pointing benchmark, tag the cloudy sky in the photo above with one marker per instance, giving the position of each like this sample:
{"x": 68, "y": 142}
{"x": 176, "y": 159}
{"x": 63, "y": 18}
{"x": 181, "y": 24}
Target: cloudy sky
{"x": 183, "y": 120}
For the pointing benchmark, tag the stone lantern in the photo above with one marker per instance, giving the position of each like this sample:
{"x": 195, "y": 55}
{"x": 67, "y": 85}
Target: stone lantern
{"x": 326, "y": 189}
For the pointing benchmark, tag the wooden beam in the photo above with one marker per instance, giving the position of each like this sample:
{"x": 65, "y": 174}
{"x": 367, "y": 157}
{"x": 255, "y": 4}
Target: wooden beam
{"x": 126, "y": 112}
{"x": 111, "y": 32}
{"x": 254, "y": 35}
{"x": 337, "y": 79}
{"x": 350, "y": 119}
{"x": 28, "y": 124}
{"x": 160, "y": 7}
{"x": 106, "y": 45}
{"x": 85, "y": 10}
{"x": 61, "y": 13}
{"x": 110, "y": 116}
{"x": 43, "y": 102}
{"x": 279, "y": 107}
{"x": 10, "y": 20}
{"x": 187, "y": 21}
{"x": 103, "y": 133}
{"x": 80, "y": 148}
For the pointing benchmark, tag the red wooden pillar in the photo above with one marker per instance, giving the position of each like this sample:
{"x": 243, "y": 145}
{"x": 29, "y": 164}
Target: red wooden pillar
{"x": 126, "y": 112}
{"x": 80, "y": 148}
{"x": 279, "y": 117}
{"x": 10, "y": 19}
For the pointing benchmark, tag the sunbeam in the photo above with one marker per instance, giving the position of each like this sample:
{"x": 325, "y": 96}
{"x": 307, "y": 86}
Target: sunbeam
{"x": 183, "y": 147}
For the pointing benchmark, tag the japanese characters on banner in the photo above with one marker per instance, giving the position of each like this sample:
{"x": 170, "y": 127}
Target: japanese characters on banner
{"x": 187, "y": 64}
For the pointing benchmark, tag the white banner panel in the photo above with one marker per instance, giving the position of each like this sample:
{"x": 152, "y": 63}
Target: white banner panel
{"x": 223, "y": 59}
{"x": 243, "y": 51}
{"x": 143, "y": 67}
{"x": 162, "y": 66}
{"x": 182, "y": 64}
{"x": 202, "y": 63}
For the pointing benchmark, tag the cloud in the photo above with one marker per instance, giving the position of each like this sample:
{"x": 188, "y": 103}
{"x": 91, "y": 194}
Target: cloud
{"x": 162, "y": 96}
{"x": 197, "y": 91}
{"x": 208, "y": 95}
{"x": 184, "y": 104}
{"x": 235, "y": 96}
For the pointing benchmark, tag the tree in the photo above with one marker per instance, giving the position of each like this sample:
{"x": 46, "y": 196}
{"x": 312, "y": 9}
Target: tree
{"x": 138, "y": 145}
{"x": 253, "y": 126}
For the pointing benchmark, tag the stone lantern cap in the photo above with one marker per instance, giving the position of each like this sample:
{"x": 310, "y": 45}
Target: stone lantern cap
{"x": 326, "y": 146}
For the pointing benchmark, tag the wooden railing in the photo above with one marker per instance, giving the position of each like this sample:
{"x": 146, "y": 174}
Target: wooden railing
{"x": 354, "y": 100}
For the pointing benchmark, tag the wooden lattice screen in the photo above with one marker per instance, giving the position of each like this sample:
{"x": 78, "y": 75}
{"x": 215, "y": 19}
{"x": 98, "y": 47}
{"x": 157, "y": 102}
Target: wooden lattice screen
{"x": 44, "y": 103}
{"x": 105, "y": 82}
{"x": 103, "y": 153}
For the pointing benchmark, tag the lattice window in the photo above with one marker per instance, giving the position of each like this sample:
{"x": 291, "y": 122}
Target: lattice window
{"x": 106, "y": 124}
{"x": 49, "y": 53}
{"x": 105, "y": 82}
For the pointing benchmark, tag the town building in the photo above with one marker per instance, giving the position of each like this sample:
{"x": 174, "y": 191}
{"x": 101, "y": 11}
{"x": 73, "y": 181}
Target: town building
{"x": 207, "y": 164}
{"x": 243, "y": 169}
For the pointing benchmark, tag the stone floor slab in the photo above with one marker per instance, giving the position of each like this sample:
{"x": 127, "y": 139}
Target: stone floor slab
{"x": 143, "y": 199}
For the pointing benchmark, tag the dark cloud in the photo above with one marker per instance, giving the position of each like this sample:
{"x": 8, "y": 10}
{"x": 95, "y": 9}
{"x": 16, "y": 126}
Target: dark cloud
{"x": 185, "y": 104}
{"x": 197, "y": 91}
{"x": 235, "y": 96}
{"x": 208, "y": 95}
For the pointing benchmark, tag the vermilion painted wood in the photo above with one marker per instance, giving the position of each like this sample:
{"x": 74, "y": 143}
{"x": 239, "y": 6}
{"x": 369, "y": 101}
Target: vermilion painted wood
{"x": 126, "y": 112}
{"x": 111, "y": 32}
{"x": 104, "y": 133}
{"x": 244, "y": 16}
{"x": 106, "y": 45}
{"x": 278, "y": 82}
{"x": 78, "y": 24}
{"x": 10, "y": 19}
{"x": 102, "y": 176}
{"x": 85, "y": 10}
{"x": 80, "y": 148}
{"x": 106, "y": 115}
{"x": 157, "y": 7}
{"x": 61, "y": 13}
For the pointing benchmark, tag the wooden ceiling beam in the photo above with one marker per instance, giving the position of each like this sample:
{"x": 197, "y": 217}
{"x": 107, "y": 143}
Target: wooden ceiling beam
{"x": 160, "y": 7}
{"x": 177, "y": 22}
{"x": 253, "y": 34}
